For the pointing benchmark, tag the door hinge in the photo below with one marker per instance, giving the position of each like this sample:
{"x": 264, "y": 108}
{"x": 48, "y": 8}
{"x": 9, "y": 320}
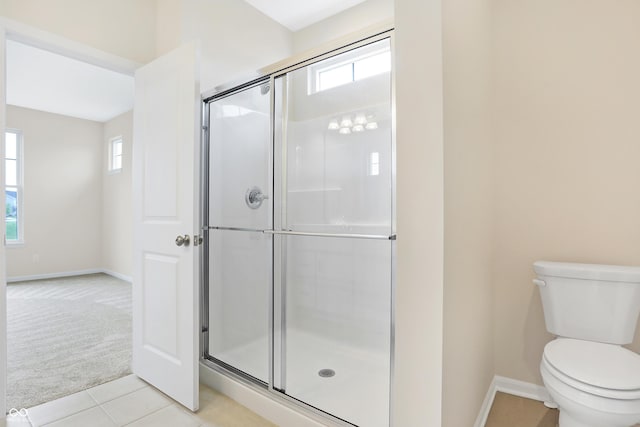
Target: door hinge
{"x": 197, "y": 240}
{"x": 205, "y": 329}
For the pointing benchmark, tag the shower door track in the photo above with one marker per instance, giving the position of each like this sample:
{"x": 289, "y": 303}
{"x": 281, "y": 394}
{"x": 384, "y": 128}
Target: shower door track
{"x": 308, "y": 234}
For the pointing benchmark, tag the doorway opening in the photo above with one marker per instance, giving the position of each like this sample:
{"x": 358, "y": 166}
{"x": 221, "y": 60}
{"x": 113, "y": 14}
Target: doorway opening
{"x": 68, "y": 222}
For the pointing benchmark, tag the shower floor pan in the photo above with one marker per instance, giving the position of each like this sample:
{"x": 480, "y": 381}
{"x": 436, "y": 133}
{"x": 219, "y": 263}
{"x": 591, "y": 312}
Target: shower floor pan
{"x": 358, "y": 392}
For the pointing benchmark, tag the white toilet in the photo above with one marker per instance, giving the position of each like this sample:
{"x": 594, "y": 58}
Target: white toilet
{"x": 593, "y": 310}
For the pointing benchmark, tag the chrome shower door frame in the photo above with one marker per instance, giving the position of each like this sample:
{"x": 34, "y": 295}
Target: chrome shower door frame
{"x": 277, "y": 304}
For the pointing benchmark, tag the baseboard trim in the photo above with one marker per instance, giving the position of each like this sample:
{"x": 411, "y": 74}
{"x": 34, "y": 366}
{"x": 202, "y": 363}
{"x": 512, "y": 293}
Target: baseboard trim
{"x": 521, "y": 389}
{"x": 509, "y": 386}
{"x": 118, "y": 275}
{"x": 481, "y": 419}
{"x": 53, "y": 275}
{"x": 69, "y": 274}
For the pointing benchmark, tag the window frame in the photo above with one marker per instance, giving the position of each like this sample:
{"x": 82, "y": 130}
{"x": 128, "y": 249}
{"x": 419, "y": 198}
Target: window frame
{"x": 19, "y": 187}
{"x": 111, "y": 157}
{"x": 315, "y": 70}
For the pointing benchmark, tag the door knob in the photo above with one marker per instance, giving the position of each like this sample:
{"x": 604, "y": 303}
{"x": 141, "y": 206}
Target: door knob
{"x": 182, "y": 240}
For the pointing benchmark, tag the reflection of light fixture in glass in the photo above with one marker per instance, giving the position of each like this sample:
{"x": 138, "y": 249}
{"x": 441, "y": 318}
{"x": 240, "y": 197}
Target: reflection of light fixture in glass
{"x": 345, "y": 131}
{"x": 371, "y": 126}
{"x": 358, "y": 128}
{"x": 333, "y": 125}
{"x": 360, "y": 119}
{"x": 346, "y": 122}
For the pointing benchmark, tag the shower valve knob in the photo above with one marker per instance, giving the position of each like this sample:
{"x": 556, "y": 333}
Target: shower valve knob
{"x": 254, "y": 197}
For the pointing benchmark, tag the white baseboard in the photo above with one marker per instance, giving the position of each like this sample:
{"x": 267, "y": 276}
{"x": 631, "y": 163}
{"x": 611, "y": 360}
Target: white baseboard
{"x": 509, "y": 386}
{"x": 481, "y": 420}
{"x": 53, "y": 275}
{"x": 118, "y": 275}
{"x": 521, "y": 389}
{"x": 69, "y": 274}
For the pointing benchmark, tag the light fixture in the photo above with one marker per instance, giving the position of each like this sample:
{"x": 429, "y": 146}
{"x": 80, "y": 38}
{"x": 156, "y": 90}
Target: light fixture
{"x": 346, "y": 122}
{"x": 358, "y": 128}
{"x": 360, "y": 119}
{"x": 371, "y": 126}
{"x": 333, "y": 125}
{"x": 345, "y": 131}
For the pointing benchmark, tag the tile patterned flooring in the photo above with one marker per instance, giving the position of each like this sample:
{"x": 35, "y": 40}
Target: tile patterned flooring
{"x": 513, "y": 411}
{"x": 130, "y": 401}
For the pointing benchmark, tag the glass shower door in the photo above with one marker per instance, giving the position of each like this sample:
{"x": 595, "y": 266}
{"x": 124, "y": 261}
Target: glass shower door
{"x": 240, "y": 208}
{"x": 333, "y": 240}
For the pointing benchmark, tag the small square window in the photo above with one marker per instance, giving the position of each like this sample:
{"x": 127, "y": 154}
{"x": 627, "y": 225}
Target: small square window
{"x": 115, "y": 155}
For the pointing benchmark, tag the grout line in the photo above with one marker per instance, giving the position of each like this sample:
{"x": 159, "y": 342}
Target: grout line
{"x": 66, "y": 416}
{"x": 91, "y": 396}
{"x": 108, "y": 415}
{"x": 150, "y": 413}
{"x": 118, "y": 396}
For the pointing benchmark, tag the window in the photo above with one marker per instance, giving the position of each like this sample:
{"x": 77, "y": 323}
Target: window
{"x": 13, "y": 187}
{"x": 374, "y": 163}
{"x": 345, "y": 68}
{"x": 115, "y": 154}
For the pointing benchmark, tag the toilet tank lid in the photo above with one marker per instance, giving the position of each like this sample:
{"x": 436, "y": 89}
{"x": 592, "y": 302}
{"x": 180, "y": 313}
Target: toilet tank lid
{"x": 610, "y": 273}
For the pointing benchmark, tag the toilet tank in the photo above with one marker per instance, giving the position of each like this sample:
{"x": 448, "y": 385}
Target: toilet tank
{"x": 589, "y": 301}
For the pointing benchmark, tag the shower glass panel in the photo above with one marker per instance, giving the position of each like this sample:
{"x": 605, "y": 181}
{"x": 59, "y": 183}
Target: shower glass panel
{"x": 338, "y": 144}
{"x": 333, "y": 221}
{"x": 240, "y": 153}
{"x": 240, "y": 207}
{"x": 337, "y": 327}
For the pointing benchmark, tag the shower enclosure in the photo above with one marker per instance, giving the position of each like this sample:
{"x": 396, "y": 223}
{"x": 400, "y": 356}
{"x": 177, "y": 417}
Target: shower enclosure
{"x": 299, "y": 233}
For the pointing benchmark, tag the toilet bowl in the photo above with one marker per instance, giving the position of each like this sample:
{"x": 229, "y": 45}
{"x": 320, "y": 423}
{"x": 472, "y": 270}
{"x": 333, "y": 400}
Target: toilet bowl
{"x": 593, "y": 311}
{"x": 594, "y": 384}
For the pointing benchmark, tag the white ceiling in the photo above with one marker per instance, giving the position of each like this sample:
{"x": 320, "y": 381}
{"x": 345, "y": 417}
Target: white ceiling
{"x": 45, "y": 81}
{"x": 296, "y": 14}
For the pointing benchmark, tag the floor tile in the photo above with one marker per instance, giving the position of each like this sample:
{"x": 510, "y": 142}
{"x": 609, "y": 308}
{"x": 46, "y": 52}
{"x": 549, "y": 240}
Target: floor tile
{"x": 218, "y": 410}
{"x": 94, "y": 417}
{"x": 113, "y": 389}
{"x": 171, "y": 416}
{"x": 513, "y": 411}
{"x": 133, "y": 406}
{"x": 60, "y": 408}
{"x": 17, "y": 420}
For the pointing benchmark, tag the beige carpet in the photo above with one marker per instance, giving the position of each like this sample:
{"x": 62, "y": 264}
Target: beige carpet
{"x": 66, "y": 335}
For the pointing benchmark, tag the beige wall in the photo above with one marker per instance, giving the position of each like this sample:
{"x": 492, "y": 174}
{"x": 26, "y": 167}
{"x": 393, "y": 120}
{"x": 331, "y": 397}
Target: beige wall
{"x": 566, "y": 105}
{"x": 117, "y": 216}
{"x": 122, "y": 27}
{"x": 417, "y": 396}
{"x": 62, "y": 194}
{"x": 236, "y": 39}
{"x": 468, "y": 152}
{"x": 356, "y": 18}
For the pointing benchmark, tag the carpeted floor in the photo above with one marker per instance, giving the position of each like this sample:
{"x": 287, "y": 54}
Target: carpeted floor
{"x": 66, "y": 335}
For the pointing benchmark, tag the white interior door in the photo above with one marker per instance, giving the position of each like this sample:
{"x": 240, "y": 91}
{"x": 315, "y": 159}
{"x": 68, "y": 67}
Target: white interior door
{"x": 3, "y": 271}
{"x": 165, "y": 190}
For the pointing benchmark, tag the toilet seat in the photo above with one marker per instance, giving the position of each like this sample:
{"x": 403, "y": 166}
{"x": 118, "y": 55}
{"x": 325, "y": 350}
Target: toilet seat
{"x": 605, "y": 370}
